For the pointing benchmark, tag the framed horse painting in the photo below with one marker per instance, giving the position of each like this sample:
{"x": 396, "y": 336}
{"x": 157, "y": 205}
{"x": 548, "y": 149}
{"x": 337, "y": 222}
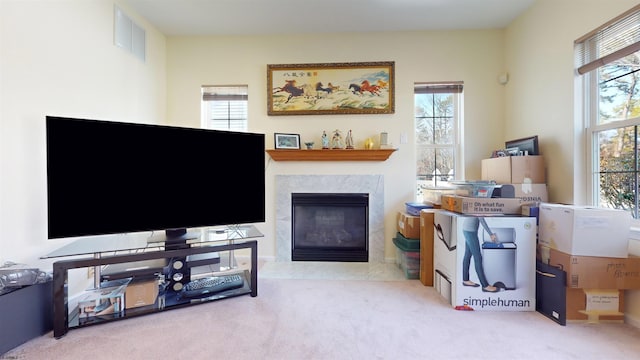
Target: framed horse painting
{"x": 331, "y": 88}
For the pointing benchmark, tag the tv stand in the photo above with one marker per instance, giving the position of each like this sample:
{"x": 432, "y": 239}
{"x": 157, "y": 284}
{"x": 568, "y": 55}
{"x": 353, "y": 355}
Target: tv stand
{"x": 211, "y": 247}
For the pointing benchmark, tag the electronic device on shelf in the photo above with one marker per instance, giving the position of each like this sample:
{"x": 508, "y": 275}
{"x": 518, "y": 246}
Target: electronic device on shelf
{"x": 140, "y": 270}
{"x": 108, "y": 177}
{"x": 524, "y": 146}
{"x": 211, "y": 285}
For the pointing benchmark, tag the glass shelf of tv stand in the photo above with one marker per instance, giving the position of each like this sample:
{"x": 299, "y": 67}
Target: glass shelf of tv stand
{"x": 99, "y": 246}
{"x": 130, "y": 249}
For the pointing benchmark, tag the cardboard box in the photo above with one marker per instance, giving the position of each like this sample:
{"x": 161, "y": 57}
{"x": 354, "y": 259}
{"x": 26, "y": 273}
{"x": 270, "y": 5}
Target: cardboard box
{"x": 514, "y": 169}
{"x": 426, "y": 246}
{"x": 508, "y": 264}
{"x": 531, "y": 193}
{"x": 595, "y": 305}
{"x": 408, "y": 225}
{"x": 595, "y": 272}
{"x": 532, "y": 210}
{"x": 585, "y": 231}
{"x": 141, "y": 293}
{"x": 471, "y": 205}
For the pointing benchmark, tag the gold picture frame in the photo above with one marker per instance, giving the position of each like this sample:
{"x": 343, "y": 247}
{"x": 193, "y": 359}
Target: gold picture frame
{"x": 331, "y": 88}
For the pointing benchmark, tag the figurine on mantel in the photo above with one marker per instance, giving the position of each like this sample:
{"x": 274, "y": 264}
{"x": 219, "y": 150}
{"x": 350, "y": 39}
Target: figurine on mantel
{"x": 349, "y": 140}
{"x": 368, "y": 144}
{"x": 325, "y": 140}
{"x": 336, "y": 140}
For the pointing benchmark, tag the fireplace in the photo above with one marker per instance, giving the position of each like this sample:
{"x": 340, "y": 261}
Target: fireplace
{"x": 330, "y": 227}
{"x": 371, "y": 184}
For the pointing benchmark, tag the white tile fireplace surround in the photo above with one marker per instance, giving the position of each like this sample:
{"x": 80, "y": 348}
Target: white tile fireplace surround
{"x": 369, "y": 184}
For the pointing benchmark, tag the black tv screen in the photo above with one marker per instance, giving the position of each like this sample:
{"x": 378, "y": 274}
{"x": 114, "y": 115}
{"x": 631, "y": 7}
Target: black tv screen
{"x": 106, "y": 177}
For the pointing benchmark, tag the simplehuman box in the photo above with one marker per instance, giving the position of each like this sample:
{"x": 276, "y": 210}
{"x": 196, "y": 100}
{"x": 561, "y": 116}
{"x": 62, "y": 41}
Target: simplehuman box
{"x": 473, "y": 205}
{"x": 508, "y": 264}
{"x": 408, "y": 225}
{"x": 514, "y": 169}
{"x": 444, "y": 254}
{"x": 426, "y": 246}
{"x": 595, "y": 272}
{"x": 585, "y": 231}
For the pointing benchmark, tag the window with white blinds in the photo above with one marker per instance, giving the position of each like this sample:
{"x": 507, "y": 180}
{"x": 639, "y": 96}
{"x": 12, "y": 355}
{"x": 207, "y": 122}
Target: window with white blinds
{"x": 224, "y": 107}
{"x": 608, "y": 62}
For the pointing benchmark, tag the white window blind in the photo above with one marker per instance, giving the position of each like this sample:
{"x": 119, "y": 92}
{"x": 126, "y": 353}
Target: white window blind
{"x": 610, "y": 42}
{"x": 225, "y": 107}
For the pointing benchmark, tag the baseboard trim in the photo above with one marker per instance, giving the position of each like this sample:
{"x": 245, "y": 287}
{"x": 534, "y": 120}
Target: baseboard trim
{"x": 632, "y": 320}
{"x": 266, "y": 258}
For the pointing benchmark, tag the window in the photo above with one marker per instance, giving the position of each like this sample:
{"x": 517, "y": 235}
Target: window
{"x": 437, "y": 121}
{"x": 608, "y": 60}
{"x": 225, "y": 107}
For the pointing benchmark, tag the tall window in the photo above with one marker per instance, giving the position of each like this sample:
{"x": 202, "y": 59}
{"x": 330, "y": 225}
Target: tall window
{"x": 438, "y": 120}
{"x": 608, "y": 60}
{"x": 225, "y": 107}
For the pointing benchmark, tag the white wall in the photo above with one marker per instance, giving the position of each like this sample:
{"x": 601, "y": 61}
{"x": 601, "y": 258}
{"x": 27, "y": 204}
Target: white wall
{"x": 58, "y": 58}
{"x": 475, "y": 57}
{"x": 540, "y": 95}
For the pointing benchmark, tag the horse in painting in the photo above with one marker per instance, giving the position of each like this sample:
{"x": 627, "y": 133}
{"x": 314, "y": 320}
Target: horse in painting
{"x": 293, "y": 90}
{"x": 367, "y": 86}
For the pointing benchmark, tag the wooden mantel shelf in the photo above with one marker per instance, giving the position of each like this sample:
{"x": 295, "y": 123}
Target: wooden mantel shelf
{"x": 330, "y": 155}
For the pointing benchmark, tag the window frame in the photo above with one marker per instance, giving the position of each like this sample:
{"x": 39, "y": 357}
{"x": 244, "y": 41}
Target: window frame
{"x": 589, "y": 60}
{"x": 455, "y": 88}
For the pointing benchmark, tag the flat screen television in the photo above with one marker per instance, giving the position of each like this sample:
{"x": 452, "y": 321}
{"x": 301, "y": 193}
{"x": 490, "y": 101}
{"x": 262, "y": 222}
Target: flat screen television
{"x": 106, "y": 177}
{"x": 524, "y": 146}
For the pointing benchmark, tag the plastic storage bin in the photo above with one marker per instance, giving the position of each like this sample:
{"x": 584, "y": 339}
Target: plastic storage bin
{"x": 413, "y": 208}
{"x": 407, "y": 243}
{"x": 408, "y": 259}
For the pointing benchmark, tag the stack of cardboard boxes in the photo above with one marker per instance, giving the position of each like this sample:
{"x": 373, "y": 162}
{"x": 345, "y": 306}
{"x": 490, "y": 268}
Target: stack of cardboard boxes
{"x": 525, "y": 173}
{"x": 407, "y": 242}
{"x": 503, "y": 241}
{"x": 587, "y": 246}
{"x": 591, "y": 246}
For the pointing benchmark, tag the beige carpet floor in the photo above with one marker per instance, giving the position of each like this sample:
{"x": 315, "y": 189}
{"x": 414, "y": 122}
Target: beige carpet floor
{"x": 336, "y": 319}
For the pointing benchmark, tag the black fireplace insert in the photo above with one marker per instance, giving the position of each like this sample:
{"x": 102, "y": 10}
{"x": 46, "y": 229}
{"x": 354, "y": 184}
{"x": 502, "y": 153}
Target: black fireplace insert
{"x": 330, "y": 227}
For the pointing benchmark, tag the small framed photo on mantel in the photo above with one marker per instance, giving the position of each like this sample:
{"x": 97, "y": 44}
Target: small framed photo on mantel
{"x": 287, "y": 141}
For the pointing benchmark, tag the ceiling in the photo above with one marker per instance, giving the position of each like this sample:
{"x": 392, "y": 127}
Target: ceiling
{"x": 251, "y": 17}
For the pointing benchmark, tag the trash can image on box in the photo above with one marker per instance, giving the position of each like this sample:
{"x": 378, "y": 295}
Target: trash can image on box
{"x": 499, "y": 258}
